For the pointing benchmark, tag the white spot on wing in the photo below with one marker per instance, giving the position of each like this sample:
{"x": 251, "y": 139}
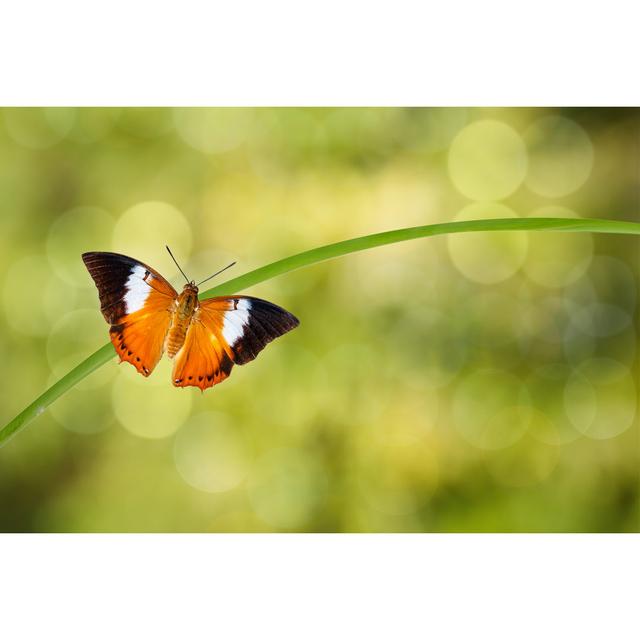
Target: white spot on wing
{"x": 235, "y": 321}
{"x": 137, "y": 290}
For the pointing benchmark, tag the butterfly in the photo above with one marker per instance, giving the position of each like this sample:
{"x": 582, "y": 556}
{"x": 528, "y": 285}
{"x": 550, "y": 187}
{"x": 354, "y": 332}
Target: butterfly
{"x": 205, "y": 338}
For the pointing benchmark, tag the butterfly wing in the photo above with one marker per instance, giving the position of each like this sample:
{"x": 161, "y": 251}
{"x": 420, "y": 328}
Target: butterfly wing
{"x": 137, "y": 302}
{"x": 226, "y": 331}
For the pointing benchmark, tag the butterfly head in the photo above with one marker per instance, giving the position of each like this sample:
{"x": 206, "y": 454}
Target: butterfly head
{"x": 191, "y": 286}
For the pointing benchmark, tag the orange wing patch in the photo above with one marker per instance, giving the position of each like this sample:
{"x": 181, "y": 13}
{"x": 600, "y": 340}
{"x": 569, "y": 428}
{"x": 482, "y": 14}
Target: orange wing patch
{"x": 137, "y": 302}
{"x": 139, "y": 337}
{"x": 204, "y": 359}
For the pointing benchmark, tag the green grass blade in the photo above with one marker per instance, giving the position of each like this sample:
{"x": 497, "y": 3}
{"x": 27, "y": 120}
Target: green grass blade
{"x": 307, "y": 258}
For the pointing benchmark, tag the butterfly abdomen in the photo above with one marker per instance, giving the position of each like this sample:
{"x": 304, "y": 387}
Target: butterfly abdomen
{"x": 186, "y": 306}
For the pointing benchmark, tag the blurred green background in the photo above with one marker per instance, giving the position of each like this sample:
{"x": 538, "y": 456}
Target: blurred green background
{"x": 482, "y": 382}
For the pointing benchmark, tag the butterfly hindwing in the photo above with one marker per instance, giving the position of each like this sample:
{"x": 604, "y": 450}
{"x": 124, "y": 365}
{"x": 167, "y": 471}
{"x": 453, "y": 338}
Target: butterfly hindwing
{"x": 203, "y": 360}
{"x": 137, "y": 302}
{"x": 227, "y": 331}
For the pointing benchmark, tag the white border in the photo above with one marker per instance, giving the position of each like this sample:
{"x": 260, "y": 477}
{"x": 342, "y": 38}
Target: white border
{"x": 319, "y": 586}
{"x": 495, "y": 52}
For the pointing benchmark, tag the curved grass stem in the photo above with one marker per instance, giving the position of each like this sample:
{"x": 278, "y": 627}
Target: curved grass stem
{"x": 313, "y": 256}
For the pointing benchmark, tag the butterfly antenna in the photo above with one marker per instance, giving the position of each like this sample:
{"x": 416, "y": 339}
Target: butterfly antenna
{"x": 217, "y": 273}
{"x": 177, "y": 265}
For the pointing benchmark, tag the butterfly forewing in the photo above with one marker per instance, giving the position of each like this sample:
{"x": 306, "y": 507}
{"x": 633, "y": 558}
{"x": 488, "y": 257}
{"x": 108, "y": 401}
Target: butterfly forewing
{"x": 137, "y": 302}
{"x": 251, "y": 324}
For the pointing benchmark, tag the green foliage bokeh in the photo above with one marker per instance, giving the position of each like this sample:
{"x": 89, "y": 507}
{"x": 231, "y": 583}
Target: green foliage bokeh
{"x": 471, "y": 383}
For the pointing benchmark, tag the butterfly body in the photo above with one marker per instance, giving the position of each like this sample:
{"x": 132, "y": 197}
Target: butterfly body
{"x": 186, "y": 306}
{"x": 205, "y": 338}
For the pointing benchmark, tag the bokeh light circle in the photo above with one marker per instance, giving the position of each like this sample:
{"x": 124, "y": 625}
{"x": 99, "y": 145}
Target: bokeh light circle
{"x": 71, "y": 234}
{"x": 577, "y": 346}
{"x": 431, "y": 130}
{"x": 416, "y": 356}
{"x": 602, "y": 302}
{"x": 491, "y": 409}
{"x": 601, "y": 319}
{"x": 487, "y": 160}
{"x": 600, "y": 398}
{"x": 143, "y": 231}
{"x": 399, "y": 480}
{"x": 528, "y": 461}
{"x": 33, "y": 297}
{"x": 38, "y": 127}
{"x": 209, "y": 453}
{"x": 144, "y": 122}
{"x": 212, "y": 130}
{"x": 608, "y": 280}
{"x": 92, "y": 124}
{"x": 545, "y": 385}
{"x": 555, "y": 260}
{"x": 82, "y": 409}
{"x": 545, "y": 320}
{"x": 86, "y": 409}
{"x": 497, "y": 316}
{"x": 74, "y": 337}
{"x": 289, "y": 363}
{"x": 286, "y": 486}
{"x": 150, "y": 408}
{"x": 408, "y": 420}
{"x": 487, "y": 258}
{"x": 348, "y": 367}
{"x": 560, "y": 156}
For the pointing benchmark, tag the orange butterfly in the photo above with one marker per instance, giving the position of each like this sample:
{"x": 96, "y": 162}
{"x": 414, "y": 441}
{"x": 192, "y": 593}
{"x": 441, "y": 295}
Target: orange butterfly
{"x": 206, "y": 338}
